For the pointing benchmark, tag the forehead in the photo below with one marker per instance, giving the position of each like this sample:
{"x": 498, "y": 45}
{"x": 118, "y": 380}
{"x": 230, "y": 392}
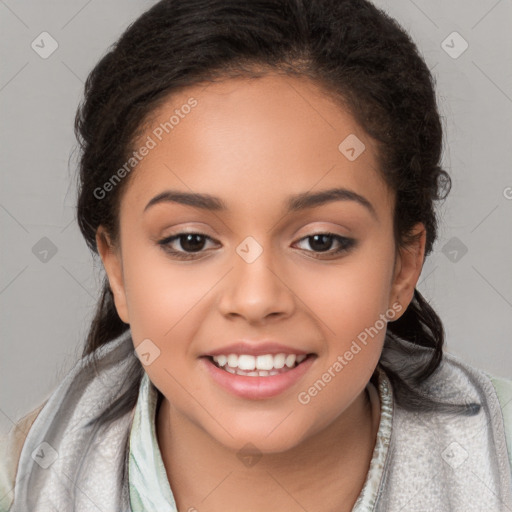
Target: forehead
{"x": 255, "y": 140}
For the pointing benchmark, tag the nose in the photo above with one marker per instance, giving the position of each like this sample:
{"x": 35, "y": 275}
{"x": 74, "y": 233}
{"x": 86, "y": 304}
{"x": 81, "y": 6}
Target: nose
{"x": 256, "y": 290}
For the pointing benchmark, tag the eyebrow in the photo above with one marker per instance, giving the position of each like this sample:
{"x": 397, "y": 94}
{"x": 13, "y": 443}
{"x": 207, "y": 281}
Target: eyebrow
{"x": 294, "y": 203}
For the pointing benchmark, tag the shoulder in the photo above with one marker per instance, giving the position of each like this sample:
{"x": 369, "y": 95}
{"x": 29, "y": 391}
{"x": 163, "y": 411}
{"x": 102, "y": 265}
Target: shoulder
{"x": 476, "y": 382}
{"x": 503, "y": 387}
{"x": 11, "y": 445}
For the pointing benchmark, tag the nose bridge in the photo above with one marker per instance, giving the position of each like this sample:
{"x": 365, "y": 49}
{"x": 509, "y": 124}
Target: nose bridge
{"x": 254, "y": 289}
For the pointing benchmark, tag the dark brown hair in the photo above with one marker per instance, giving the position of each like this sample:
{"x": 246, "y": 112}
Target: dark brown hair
{"x": 355, "y": 51}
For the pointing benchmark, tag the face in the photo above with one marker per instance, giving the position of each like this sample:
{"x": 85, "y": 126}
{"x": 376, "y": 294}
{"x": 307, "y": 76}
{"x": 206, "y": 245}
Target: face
{"x": 265, "y": 264}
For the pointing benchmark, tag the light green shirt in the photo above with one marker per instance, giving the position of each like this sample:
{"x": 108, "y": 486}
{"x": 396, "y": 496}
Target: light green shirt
{"x": 149, "y": 487}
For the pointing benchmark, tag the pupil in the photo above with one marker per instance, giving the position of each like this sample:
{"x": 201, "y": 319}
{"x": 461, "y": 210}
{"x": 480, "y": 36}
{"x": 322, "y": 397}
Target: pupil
{"x": 322, "y": 246}
{"x": 193, "y": 241}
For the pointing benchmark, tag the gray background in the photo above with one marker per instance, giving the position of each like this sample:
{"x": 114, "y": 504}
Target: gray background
{"x": 46, "y": 306}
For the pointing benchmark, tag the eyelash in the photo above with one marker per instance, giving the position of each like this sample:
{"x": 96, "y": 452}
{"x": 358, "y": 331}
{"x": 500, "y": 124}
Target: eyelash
{"x": 346, "y": 244}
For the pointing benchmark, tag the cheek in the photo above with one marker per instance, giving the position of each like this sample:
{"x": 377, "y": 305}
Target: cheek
{"x": 349, "y": 296}
{"x": 350, "y": 303}
{"x": 165, "y": 299}
{"x": 351, "y": 312}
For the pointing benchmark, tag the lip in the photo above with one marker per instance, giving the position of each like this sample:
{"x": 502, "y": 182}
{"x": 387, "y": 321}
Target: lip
{"x": 256, "y": 348}
{"x": 257, "y": 388}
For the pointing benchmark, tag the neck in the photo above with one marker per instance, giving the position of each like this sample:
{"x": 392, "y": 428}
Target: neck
{"x": 325, "y": 472}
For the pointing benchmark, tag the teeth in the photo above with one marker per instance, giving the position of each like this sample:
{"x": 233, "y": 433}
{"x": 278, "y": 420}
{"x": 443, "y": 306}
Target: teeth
{"x": 265, "y": 362}
{"x": 261, "y": 365}
{"x": 246, "y": 362}
{"x": 222, "y": 360}
{"x": 279, "y": 360}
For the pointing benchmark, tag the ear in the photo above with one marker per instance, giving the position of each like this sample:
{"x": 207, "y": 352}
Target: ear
{"x": 408, "y": 265}
{"x": 112, "y": 261}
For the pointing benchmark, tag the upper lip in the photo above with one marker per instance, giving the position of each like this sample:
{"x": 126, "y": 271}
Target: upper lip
{"x": 256, "y": 348}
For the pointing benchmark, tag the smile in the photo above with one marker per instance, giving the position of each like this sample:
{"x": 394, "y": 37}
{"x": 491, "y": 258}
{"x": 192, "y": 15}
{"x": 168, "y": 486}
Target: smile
{"x": 257, "y": 377}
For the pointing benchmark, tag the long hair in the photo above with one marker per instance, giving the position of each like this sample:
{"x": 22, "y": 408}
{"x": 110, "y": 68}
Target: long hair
{"x": 359, "y": 55}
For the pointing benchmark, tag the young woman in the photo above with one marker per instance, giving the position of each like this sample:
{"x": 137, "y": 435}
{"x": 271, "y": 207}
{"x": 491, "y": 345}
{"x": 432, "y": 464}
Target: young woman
{"x": 259, "y": 179}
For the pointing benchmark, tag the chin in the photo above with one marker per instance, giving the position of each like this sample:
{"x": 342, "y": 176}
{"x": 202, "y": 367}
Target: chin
{"x": 259, "y": 441}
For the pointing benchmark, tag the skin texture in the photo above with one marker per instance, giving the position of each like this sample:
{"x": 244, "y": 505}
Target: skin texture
{"x": 253, "y": 143}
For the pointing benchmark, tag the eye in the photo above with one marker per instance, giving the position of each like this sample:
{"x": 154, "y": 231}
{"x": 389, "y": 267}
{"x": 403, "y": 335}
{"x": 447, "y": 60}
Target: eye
{"x": 192, "y": 243}
{"x": 322, "y": 243}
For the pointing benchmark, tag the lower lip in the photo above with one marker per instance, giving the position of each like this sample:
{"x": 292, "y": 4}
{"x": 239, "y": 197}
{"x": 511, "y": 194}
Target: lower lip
{"x": 257, "y": 387}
